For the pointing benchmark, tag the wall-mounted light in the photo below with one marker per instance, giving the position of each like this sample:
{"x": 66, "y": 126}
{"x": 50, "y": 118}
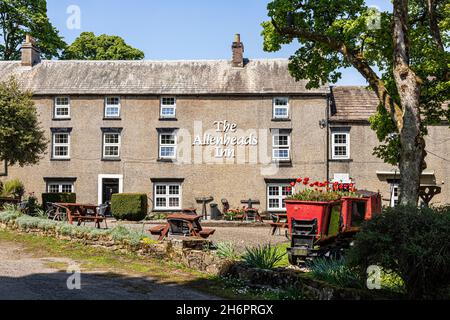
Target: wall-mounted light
{"x": 322, "y": 123}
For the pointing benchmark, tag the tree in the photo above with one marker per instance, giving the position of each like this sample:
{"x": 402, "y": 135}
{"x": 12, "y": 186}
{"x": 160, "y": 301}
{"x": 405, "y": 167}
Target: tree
{"x": 89, "y": 47}
{"x": 407, "y": 46}
{"x": 21, "y": 17}
{"x": 22, "y": 140}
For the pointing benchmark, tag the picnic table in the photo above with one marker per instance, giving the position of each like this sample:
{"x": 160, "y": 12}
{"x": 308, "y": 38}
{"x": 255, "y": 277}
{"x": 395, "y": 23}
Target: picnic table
{"x": 278, "y": 221}
{"x": 180, "y": 224}
{"x": 79, "y": 212}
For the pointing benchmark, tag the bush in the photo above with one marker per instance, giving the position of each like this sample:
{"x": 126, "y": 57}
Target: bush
{"x": 336, "y": 272}
{"x": 13, "y": 188}
{"x": 227, "y": 250}
{"x": 263, "y": 257}
{"x": 58, "y": 197}
{"x": 413, "y": 243}
{"x": 129, "y": 206}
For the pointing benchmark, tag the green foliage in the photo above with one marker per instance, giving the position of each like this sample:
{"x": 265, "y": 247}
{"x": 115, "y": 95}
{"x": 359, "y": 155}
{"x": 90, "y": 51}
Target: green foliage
{"x": 129, "y": 206}
{"x": 313, "y": 195}
{"x": 413, "y": 243}
{"x": 263, "y": 256}
{"x": 119, "y": 234}
{"x": 21, "y": 17}
{"x": 338, "y": 34}
{"x": 227, "y": 250}
{"x": 336, "y": 272}
{"x": 12, "y": 189}
{"x": 89, "y": 47}
{"x": 59, "y": 197}
{"x": 22, "y": 139}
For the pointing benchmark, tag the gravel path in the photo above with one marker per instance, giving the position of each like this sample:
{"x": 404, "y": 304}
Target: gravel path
{"x": 241, "y": 237}
{"x": 23, "y": 276}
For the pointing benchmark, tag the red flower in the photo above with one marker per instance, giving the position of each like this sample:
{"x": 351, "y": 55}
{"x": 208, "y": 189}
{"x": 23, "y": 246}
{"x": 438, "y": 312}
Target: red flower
{"x": 311, "y": 185}
{"x": 328, "y": 189}
{"x": 306, "y": 179}
{"x": 299, "y": 180}
{"x": 288, "y": 189}
{"x": 316, "y": 189}
{"x": 320, "y": 190}
{"x": 292, "y": 184}
{"x": 341, "y": 186}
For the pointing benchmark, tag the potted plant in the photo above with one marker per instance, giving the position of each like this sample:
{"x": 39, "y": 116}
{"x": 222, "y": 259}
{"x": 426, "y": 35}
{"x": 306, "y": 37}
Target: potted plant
{"x": 319, "y": 202}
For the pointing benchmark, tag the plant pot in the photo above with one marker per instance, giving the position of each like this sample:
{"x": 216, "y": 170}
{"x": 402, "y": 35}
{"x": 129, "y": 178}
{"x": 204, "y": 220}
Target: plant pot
{"x": 326, "y": 213}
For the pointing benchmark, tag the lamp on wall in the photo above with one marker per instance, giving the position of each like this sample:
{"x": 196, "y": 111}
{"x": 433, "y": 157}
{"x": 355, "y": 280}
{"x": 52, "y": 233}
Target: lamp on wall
{"x": 322, "y": 123}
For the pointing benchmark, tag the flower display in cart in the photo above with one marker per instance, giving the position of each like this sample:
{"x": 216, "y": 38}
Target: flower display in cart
{"x": 321, "y": 190}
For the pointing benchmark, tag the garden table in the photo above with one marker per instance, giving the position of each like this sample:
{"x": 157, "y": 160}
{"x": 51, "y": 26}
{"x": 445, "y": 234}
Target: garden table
{"x": 181, "y": 224}
{"x": 79, "y": 212}
{"x": 280, "y": 221}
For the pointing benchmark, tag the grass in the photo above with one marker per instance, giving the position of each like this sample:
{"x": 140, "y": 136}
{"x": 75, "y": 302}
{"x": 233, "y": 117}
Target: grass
{"x": 115, "y": 264}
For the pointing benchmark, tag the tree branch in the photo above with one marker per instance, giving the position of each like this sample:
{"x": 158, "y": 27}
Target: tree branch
{"x": 357, "y": 60}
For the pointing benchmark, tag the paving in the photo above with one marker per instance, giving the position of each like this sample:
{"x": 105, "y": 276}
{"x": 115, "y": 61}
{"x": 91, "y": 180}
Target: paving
{"x": 23, "y": 276}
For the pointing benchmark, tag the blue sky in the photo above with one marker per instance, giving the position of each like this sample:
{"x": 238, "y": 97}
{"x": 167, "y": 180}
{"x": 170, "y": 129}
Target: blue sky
{"x": 181, "y": 29}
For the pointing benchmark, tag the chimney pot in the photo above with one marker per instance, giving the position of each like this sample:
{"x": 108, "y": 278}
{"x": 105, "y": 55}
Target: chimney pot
{"x": 238, "y": 52}
{"x": 30, "y": 54}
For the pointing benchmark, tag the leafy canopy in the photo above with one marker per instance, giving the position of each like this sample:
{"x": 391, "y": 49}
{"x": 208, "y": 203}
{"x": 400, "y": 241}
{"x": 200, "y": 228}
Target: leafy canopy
{"x": 22, "y": 140}
{"x": 21, "y": 17}
{"x": 345, "y": 33}
{"x": 104, "y": 47}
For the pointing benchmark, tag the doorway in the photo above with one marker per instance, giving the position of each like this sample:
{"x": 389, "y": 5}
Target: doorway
{"x": 109, "y": 184}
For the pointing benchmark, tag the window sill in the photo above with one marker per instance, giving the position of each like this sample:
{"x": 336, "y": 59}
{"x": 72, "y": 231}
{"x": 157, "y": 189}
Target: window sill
{"x": 58, "y": 159}
{"x": 111, "y": 159}
{"x": 61, "y": 119}
{"x": 281, "y": 119}
{"x": 112, "y": 118}
{"x": 168, "y": 119}
{"x": 165, "y": 160}
{"x": 166, "y": 210}
{"x": 283, "y": 163}
{"x": 340, "y": 160}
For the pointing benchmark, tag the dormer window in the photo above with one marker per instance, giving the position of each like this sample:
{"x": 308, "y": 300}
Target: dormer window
{"x": 168, "y": 107}
{"x": 112, "y": 107}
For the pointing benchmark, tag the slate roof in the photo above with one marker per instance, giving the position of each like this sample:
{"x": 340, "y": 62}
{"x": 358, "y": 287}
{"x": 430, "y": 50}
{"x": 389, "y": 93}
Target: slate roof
{"x": 268, "y": 76}
{"x": 352, "y": 103}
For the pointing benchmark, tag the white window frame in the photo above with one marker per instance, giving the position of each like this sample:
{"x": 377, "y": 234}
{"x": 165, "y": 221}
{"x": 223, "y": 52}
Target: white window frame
{"x": 54, "y": 145}
{"x": 280, "y": 196}
{"x": 167, "y": 196}
{"x": 276, "y": 147}
{"x": 161, "y": 145}
{"x": 346, "y": 145}
{"x": 61, "y": 106}
{"x": 111, "y": 145}
{"x": 393, "y": 198}
{"x": 111, "y": 106}
{"x": 60, "y": 186}
{"x": 275, "y": 107}
{"x": 342, "y": 178}
{"x": 168, "y": 106}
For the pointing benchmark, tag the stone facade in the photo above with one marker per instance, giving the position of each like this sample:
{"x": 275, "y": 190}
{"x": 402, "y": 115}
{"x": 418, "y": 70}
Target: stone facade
{"x": 242, "y": 97}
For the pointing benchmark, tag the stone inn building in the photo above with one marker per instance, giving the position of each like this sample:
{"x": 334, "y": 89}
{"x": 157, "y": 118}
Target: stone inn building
{"x": 181, "y": 130}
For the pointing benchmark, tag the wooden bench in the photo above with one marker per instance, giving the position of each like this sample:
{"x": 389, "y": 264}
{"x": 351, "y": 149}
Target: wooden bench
{"x": 180, "y": 224}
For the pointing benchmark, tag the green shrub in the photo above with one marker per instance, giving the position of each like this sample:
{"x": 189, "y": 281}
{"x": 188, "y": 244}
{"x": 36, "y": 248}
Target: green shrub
{"x": 227, "y": 250}
{"x": 336, "y": 272}
{"x": 413, "y": 243}
{"x": 58, "y": 197}
{"x": 13, "y": 188}
{"x": 263, "y": 256}
{"x": 129, "y": 206}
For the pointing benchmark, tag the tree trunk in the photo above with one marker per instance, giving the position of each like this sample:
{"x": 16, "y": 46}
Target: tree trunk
{"x": 412, "y": 150}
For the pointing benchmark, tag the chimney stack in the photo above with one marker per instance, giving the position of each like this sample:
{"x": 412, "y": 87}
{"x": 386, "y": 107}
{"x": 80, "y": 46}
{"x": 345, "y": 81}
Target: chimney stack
{"x": 238, "y": 52}
{"x": 30, "y": 54}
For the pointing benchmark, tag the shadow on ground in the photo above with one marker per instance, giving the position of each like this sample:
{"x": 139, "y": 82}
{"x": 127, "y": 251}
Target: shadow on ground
{"x": 104, "y": 286}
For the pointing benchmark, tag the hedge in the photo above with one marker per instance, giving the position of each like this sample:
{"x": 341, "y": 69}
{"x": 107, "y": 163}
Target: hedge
{"x": 129, "y": 206}
{"x": 59, "y": 197}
